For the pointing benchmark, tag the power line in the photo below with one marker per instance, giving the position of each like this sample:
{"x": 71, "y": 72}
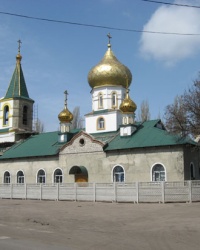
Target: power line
{"x": 99, "y": 26}
{"x": 175, "y": 4}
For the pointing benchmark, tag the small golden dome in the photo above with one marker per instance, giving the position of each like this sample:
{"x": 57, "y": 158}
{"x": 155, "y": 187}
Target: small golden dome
{"x": 127, "y": 105}
{"x": 65, "y": 116}
{"x": 109, "y": 72}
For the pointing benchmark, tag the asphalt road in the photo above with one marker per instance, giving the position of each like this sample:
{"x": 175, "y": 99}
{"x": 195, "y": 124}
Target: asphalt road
{"x": 62, "y": 225}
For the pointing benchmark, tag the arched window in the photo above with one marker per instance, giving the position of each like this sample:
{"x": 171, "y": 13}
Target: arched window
{"x": 100, "y": 100}
{"x": 6, "y": 177}
{"x": 100, "y": 123}
{"x": 20, "y": 177}
{"x": 25, "y": 115}
{"x": 125, "y": 120}
{"x": 118, "y": 174}
{"x": 5, "y": 115}
{"x": 192, "y": 171}
{"x": 158, "y": 173}
{"x": 58, "y": 176}
{"x": 114, "y": 100}
{"x": 41, "y": 176}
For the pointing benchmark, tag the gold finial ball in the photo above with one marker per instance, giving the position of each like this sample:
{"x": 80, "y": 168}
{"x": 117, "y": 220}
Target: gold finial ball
{"x": 18, "y": 57}
{"x": 109, "y": 72}
{"x": 65, "y": 116}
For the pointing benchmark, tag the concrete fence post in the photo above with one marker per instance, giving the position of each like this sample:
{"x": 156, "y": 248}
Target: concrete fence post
{"x": 58, "y": 189}
{"x": 25, "y": 191}
{"x": 94, "y": 192}
{"x": 163, "y": 191}
{"x": 75, "y": 191}
{"x": 40, "y": 191}
{"x": 190, "y": 191}
{"x": 137, "y": 191}
{"x": 11, "y": 191}
{"x": 115, "y": 192}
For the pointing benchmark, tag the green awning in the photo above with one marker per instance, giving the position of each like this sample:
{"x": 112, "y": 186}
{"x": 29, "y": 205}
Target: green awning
{"x": 78, "y": 170}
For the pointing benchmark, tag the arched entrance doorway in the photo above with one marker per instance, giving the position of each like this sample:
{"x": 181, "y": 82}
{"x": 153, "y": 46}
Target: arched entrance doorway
{"x": 80, "y": 173}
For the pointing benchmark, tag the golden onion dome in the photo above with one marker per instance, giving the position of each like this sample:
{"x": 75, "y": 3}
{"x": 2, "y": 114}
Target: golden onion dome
{"x": 65, "y": 115}
{"x": 109, "y": 72}
{"x": 127, "y": 105}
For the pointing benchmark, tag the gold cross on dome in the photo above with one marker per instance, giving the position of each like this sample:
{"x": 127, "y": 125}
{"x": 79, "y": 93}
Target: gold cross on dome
{"x": 66, "y": 93}
{"x": 109, "y": 37}
{"x": 19, "y": 45}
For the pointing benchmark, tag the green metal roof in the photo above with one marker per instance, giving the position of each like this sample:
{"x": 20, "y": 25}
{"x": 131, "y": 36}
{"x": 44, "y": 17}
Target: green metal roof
{"x": 105, "y": 136}
{"x": 44, "y": 144}
{"x": 17, "y": 87}
{"x": 147, "y": 135}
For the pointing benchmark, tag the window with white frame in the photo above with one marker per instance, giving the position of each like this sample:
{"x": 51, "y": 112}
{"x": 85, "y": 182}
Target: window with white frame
{"x": 118, "y": 174}
{"x": 20, "y": 177}
{"x": 158, "y": 173}
{"x": 100, "y": 123}
{"x": 58, "y": 176}
{"x": 100, "y": 100}
{"x": 41, "y": 176}
{"x": 6, "y": 177}
{"x": 5, "y": 115}
{"x": 114, "y": 100}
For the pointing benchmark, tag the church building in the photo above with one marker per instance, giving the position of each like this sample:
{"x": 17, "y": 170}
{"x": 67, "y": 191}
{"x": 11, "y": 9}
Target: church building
{"x": 112, "y": 147}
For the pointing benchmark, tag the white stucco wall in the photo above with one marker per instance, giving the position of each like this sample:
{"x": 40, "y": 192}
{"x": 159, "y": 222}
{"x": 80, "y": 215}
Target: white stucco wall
{"x": 107, "y": 96}
{"x": 112, "y": 121}
{"x": 30, "y": 168}
{"x": 137, "y": 164}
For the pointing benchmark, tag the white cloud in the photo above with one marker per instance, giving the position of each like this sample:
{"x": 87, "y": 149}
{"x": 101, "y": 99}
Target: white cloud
{"x": 172, "y": 48}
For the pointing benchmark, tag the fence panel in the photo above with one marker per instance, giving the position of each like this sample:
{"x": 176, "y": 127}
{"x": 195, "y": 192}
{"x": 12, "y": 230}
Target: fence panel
{"x": 49, "y": 192}
{"x": 195, "y": 190}
{"x": 67, "y": 192}
{"x": 177, "y": 191}
{"x": 85, "y": 191}
{"x": 150, "y": 192}
{"x": 126, "y": 192}
{"x": 19, "y": 191}
{"x": 33, "y": 191}
{"x": 105, "y": 192}
{"x": 5, "y": 191}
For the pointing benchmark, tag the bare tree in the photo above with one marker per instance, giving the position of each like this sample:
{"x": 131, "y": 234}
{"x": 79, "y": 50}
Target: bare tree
{"x": 183, "y": 116}
{"x": 192, "y": 104}
{"x": 176, "y": 117}
{"x": 144, "y": 113}
{"x": 77, "y": 121}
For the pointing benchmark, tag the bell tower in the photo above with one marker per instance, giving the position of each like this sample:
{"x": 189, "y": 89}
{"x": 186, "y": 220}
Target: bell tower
{"x": 16, "y": 107}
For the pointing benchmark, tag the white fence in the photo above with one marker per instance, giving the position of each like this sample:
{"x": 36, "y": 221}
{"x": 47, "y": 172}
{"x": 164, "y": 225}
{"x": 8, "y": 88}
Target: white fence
{"x": 136, "y": 192}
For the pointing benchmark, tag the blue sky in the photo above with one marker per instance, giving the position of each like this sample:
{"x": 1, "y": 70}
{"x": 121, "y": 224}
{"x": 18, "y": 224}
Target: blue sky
{"x": 58, "y": 57}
